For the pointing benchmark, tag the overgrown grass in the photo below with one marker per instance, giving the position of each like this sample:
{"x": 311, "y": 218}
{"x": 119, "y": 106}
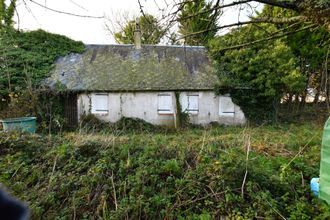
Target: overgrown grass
{"x": 196, "y": 173}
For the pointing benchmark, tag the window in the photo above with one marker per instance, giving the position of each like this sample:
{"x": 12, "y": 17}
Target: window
{"x": 100, "y": 104}
{"x": 226, "y": 106}
{"x": 165, "y": 104}
{"x": 190, "y": 104}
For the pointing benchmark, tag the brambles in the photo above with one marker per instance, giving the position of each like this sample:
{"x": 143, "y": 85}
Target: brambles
{"x": 195, "y": 173}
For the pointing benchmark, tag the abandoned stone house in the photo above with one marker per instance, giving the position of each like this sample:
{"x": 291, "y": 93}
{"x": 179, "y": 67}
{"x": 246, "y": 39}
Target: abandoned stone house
{"x": 115, "y": 81}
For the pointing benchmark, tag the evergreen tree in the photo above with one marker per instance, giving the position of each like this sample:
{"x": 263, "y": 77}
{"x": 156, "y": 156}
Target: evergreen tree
{"x": 265, "y": 72}
{"x": 7, "y": 13}
{"x": 195, "y": 27}
{"x": 256, "y": 76}
{"x": 151, "y": 31}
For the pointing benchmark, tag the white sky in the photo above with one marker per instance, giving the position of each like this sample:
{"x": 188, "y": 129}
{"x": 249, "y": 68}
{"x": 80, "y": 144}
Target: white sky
{"x": 90, "y": 30}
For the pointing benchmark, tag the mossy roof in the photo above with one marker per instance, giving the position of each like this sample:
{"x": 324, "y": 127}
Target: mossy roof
{"x": 124, "y": 68}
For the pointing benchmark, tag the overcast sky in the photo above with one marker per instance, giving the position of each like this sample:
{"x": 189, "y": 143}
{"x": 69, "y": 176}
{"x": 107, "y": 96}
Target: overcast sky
{"x": 92, "y": 30}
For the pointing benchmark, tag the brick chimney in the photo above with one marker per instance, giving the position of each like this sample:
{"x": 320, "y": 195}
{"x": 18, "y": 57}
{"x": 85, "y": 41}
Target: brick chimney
{"x": 137, "y": 35}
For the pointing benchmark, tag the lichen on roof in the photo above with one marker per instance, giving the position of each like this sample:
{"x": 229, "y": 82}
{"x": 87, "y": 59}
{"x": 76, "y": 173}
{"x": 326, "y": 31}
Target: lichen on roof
{"x": 123, "y": 68}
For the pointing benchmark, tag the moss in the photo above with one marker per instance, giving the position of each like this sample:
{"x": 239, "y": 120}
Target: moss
{"x": 121, "y": 68}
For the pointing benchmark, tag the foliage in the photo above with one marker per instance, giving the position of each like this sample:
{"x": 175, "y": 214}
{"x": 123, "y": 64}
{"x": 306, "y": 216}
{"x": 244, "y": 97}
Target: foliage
{"x": 316, "y": 11}
{"x": 310, "y": 113}
{"x": 308, "y": 11}
{"x": 90, "y": 123}
{"x": 134, "y": 124}
{"x": 27, "y": 58}
{"x": 50, "y": 112}
{"x": 7, "y": 13}
{"x": 48, "y": 108}
{"x": 182, "y": 117}
{"x": 189, "y": 26}
{"x": 21, "y": 104}
{"x": 310, "y": 47}
{"x": 260, "y": 74}
{"x": 161, "y": 175}
{"x": 151, "y": 31}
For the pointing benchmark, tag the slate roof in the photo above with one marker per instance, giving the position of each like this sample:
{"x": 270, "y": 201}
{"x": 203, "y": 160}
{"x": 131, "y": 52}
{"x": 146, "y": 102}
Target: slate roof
{"x": 124, "y": 68}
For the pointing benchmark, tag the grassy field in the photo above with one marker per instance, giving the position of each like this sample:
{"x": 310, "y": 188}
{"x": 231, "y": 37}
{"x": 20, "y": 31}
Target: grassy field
{"x": 239, "y": 172}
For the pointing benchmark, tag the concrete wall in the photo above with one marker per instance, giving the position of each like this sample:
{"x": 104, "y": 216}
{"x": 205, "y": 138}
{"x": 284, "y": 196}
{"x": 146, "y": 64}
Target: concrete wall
{"x": 144, "y": 105}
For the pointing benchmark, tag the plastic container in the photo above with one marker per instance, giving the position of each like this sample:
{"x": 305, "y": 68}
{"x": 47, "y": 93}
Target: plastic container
{"x": 315, "y": 186}
{"x": 325, "y": 164}
{"x": 24, "y": 124}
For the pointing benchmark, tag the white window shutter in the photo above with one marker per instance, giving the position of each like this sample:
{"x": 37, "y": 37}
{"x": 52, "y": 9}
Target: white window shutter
{"x": 226, "y": 106}
{"x": 100, "y": 103}
{"x": 193, "y": 104}
{"x": 165, "y": 104}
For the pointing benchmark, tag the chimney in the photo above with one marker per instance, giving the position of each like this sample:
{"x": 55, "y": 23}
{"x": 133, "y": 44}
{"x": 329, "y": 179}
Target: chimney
{"x": 137, "y": 35}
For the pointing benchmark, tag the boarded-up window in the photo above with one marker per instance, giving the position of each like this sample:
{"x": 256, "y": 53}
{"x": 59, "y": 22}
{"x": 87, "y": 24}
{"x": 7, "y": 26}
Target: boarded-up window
{"x": 165, "y": 105}
{"x": 190, "y": 104}
{"x": 226, "y": 106}
{"x": 100, "y": 103}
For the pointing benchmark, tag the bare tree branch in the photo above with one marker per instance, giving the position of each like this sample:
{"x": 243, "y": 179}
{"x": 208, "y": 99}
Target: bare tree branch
{"x": 283, "y": 4}
{"x": 78, "y": 5}
{"x": 63, "y": 12}
{"x": 30, "y": 11}
{"x": 141, "y": 9}
{"x": 18, "y": 19}
{"x": 215, "y": 14}
{"x": 216, "y": 8}
{"x": 274, "y": 36}
{"x": 254, "y": 21}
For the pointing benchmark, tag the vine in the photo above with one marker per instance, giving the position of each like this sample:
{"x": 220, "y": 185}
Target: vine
{"x": 27, "y": 59}
{"x": 30, "y": 54}
{"x": 182, "y": 117}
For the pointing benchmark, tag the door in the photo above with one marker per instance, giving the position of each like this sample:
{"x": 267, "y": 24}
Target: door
{"x": 70, "y": 109}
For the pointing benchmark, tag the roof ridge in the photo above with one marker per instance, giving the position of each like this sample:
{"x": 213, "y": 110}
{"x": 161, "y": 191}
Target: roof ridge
{"x": 145, "y": 45}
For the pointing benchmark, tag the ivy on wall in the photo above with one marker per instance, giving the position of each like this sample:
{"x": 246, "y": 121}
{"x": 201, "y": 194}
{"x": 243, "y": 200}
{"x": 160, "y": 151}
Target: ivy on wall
{"x": 28, "y": 57}
{"x": 182, "y": 117}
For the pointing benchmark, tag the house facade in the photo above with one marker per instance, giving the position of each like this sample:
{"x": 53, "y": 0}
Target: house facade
{"x": 115, "y": 81}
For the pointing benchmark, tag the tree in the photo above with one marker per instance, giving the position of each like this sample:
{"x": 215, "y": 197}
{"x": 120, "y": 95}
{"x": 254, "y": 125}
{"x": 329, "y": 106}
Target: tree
{"x": 151, "y": 31}
{"x": 7, "y": 13}
{"x": 263, "y": 73}
{"x": 200, "y": 22}
{"x": 312, "y": 12}
{"x": 310, "y": 47}
{"x": 258, "y": 76}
